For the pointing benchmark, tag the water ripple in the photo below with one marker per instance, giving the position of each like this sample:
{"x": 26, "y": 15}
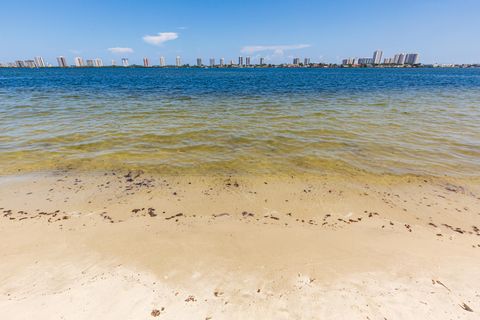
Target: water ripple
{"x": 242, "y": 121}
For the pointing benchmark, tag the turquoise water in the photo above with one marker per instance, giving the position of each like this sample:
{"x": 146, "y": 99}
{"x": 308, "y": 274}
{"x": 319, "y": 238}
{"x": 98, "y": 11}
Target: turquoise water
{"x": 242, "y": 121}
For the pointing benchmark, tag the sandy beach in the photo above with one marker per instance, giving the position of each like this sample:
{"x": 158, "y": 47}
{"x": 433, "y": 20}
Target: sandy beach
{"x": 130, "y": 245}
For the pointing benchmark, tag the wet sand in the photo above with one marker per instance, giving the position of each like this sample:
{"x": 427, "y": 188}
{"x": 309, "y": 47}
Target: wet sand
{"x": 129, "y": 245}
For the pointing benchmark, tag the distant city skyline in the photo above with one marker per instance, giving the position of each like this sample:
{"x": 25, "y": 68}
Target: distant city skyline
{"x": 397, "y": 60}
{"x": 376, "y": 59}
{"x": 78, "y": 61}
{"x": 276, "y": 31}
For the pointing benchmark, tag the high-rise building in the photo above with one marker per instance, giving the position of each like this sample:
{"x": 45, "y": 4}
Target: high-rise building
{"x": 262, "y": 61}
{"x": 296, "y": 61}
{"x": 240, "y": 61}
{"x": 231, "y": 62}
{"x": 39, "y": 62}
{"x": 29, "y": 64}
{"x": 79, "y": 62}
{"x": 90, "y": 63}
{"x": 199, "y": 62}
{"x": 146, "y": 62}
{"x": 114, "y": 63}
{"x": 306, "y": 61}
{"x": 350, "y": 61}
{"x": 396, "y": 58}
{"x": 377, "y": 57}
{"x": 222, "y": 62}
{"x": 162, "y": 61}
{"x": 178, "y": 61}
{"x": 98, "y": 62}
{"x": 20, "y": 64}
{"x": 212, "y": 62}
{"x": 62, "y": 62}
{"x": 399, "y": 58}
{"x": 247, "y": 61}
{"x": 412, "y": 58}
{"x": 125, "y": 62}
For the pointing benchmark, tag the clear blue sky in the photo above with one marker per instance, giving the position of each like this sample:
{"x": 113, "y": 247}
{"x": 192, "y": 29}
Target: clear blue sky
{"x": 441, "y": 31}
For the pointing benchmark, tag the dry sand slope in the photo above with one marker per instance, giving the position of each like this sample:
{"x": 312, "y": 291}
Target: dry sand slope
{"x": 133, "y": 246}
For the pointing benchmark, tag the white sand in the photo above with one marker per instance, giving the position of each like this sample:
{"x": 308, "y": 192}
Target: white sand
{"x": 294, "y": 262}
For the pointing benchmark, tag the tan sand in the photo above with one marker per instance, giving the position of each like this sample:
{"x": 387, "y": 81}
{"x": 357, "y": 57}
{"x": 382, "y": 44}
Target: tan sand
{"x": 134, "y": 246}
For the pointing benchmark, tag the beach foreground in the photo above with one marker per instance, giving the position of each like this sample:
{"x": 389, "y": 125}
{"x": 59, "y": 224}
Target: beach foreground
{"x": 128, "y": 245}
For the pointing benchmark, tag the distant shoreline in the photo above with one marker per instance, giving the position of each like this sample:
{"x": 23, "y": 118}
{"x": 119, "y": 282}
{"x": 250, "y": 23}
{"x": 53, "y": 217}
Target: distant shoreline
{"x": 334, "y": 66}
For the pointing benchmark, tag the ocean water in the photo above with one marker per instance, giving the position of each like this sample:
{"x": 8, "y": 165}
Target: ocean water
{"x": 242, "y": 121}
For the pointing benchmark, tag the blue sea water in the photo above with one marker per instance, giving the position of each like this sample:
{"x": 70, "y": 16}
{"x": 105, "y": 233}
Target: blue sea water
{"x": 241, "y": 121}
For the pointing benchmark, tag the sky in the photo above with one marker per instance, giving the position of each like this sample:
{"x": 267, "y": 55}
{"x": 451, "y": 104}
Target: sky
{"x": 441, "y": 31}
